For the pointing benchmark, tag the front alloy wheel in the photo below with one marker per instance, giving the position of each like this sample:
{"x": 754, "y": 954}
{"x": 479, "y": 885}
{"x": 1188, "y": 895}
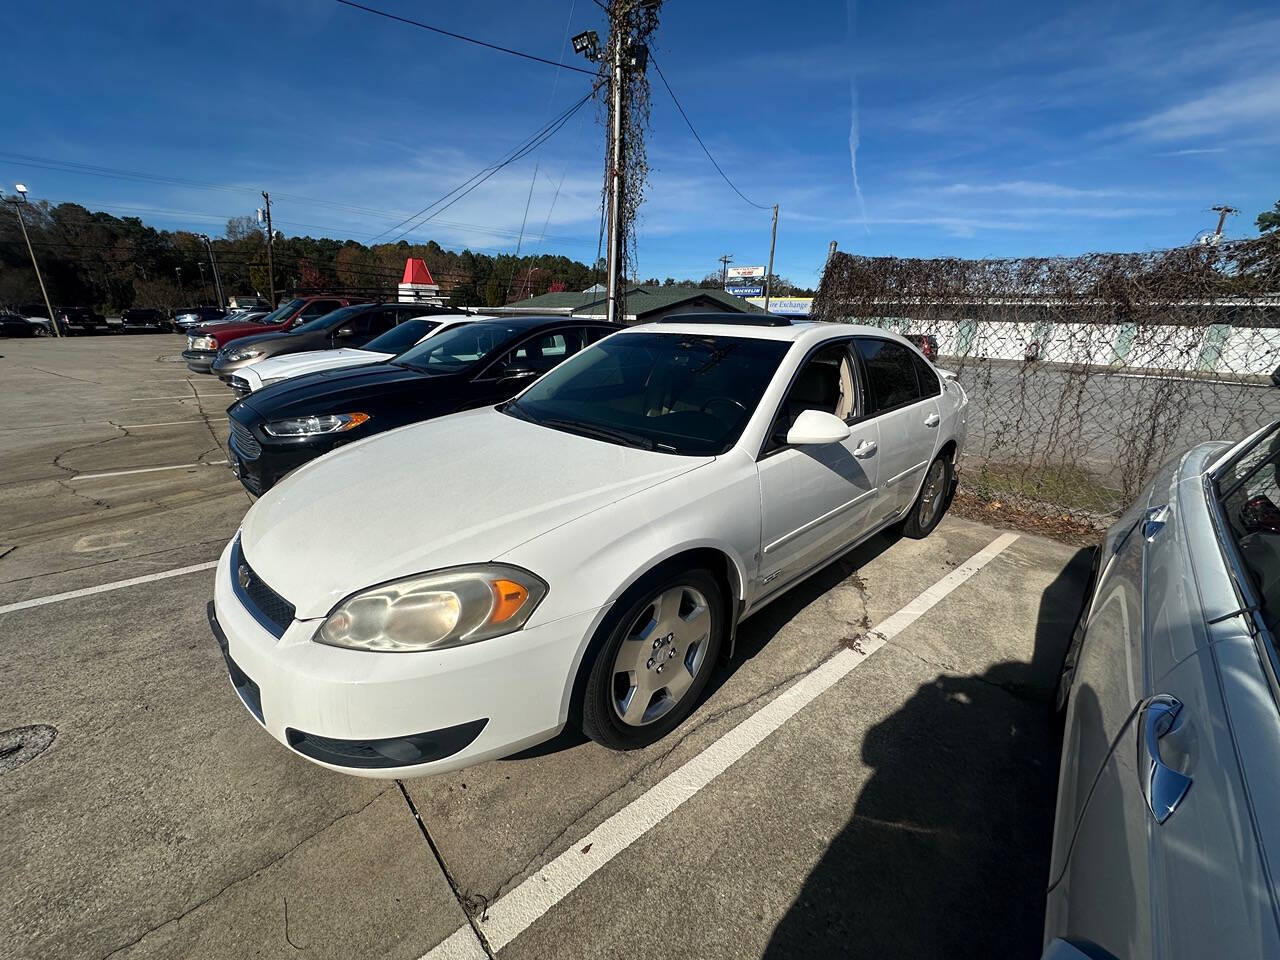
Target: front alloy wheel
{"x": 655, "y": 662}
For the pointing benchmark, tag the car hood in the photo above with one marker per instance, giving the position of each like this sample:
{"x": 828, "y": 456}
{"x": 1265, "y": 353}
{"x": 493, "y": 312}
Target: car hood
{"x": 313, "y": 361}
{"x": 462, "y": 489}
{"x": 334, "y": 391}
{"x": 253, "y": 338}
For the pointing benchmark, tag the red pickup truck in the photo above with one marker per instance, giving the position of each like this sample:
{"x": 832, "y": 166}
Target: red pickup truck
{"x": 204, "y": 341}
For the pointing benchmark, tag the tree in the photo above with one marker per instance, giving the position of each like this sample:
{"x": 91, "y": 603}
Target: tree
{"x": 1269, "y": 220}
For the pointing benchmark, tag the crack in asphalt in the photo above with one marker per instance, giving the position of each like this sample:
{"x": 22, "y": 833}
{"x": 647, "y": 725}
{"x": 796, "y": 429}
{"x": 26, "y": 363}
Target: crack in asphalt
{"x": 1017, "y": 691}
{"x": 466, "y": 901}
{"x": 248, "y": 876}
{"x": 100, "y": 563}
{"x": 57, "y": 462}
{"x": 64, "y": 376}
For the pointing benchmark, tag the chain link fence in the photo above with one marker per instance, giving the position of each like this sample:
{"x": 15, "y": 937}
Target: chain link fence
{"x": 1084, "y": 374}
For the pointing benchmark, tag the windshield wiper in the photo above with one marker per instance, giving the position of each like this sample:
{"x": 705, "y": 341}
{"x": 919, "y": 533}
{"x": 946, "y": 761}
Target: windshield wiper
{"x": 623, "y": 437}
{"x": 513, "y": 407}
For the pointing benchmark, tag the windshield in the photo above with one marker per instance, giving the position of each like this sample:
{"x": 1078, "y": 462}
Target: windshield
{"x": 459, "y": 347}
{"x": 675, "y": 393}
{"x": 279, "y": 313}
{"x": 401, "y": 338}
{"x": 326, "y": 320}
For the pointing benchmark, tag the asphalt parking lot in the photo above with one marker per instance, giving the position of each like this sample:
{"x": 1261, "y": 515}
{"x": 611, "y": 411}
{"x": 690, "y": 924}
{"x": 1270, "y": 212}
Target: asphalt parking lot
{"x": 872, "y": 776}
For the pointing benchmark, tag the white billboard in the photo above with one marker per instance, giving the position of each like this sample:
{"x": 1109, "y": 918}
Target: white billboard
{"x": 744, "y": 273}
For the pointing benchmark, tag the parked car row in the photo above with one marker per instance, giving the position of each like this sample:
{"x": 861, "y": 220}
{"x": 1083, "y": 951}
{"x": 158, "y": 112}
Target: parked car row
{"x": 560, "y": 522}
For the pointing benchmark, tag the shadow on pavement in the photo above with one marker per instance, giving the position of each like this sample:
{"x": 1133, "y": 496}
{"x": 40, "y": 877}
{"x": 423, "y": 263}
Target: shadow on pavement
{"x": 946, "y": 853}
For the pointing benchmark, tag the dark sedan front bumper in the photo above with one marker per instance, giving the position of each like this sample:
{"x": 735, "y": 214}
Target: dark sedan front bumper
{"x": 199, "y": 361}
{"x": 259, "y": 464}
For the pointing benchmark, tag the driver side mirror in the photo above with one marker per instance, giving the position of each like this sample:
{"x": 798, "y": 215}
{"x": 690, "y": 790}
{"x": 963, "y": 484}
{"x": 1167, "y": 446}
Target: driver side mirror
{"x": 815, "y": 427}
{"x": 342, "y": 332}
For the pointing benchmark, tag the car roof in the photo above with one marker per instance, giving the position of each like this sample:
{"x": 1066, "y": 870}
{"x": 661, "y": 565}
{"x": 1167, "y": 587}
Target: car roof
{"x": 533, "y": 323}
{"x": 802, "y": 331}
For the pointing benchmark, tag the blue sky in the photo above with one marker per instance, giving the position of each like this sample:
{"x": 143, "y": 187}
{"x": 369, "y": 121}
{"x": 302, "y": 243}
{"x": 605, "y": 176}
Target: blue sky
{"x": 927, "y": 129}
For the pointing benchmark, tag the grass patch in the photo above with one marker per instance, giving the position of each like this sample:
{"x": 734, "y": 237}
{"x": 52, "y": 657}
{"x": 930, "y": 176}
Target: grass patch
{"x": 1065, "y": 488}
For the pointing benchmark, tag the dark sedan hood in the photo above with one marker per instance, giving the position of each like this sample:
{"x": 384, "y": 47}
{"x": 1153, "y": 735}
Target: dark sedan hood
{"x": 262, "y": 338}
{"x": 343, "y": 390}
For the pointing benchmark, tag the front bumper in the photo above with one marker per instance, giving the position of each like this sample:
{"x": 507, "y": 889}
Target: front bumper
{"x": 199, "y": 361}
{"x": 367, "y": 713}
{"x": 260, "y": 473}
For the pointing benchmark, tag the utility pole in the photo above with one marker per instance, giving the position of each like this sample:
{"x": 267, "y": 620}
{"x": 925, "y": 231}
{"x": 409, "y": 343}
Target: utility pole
{"x": 631, "y": 23}
{"x": 204, "y": 282}
{"x": 18, "y": 203}
{"x": 1223, "y": 211}
{"x": 213, "y": 261}
{"x": 271, "y": 242}
{"x": 724, "y": 269}
{"x": 182, "y": 291}
{"x": 615, "y": 169}
{"x": 768, "y": 274}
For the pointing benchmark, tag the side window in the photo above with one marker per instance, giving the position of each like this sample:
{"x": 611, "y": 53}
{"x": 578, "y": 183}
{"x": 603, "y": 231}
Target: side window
{"x": 891, "y": 374}
{"x": 826, "y": 382}
{"x": 540, "y": 354}
{"x": 379, "y": 321}
{"x": 1253, "y": 510}
{"x": 930, "y": 385}
{"x": 317, "y": 308}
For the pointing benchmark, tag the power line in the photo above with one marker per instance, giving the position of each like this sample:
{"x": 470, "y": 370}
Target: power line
{"x": 463, "y": 37}
{"x": 676, "y": 101}
{"x": 461, "y": 190}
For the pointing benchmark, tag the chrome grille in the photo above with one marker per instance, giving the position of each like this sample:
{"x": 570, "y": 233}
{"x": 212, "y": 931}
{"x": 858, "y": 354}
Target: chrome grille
{"x": 244, "y": 441}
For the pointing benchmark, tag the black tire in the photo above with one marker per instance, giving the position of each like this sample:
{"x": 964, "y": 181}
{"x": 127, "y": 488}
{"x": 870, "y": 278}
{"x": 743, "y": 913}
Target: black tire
{"x": 39, "y": 331}
{"x": 1071, "y": 656}
{"x": 601, "y": 720}
{"x": 932, "y": 501}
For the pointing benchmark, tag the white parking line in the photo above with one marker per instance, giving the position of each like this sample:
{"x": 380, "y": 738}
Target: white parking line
{"x": 125, "y": 473}
{"x": 106, "y": 587}
{"x": 171, "y": 423}
{"x": 516, "y": 911}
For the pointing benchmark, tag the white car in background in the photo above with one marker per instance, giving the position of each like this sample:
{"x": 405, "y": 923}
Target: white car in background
{"x": 581, "y": 554}
{"x": 397, "y": 340}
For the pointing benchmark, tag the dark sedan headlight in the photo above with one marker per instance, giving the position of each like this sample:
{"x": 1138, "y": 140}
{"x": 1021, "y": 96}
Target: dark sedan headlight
{"x": 232, "y": 355}
{"x": 315, "y": 425}
{"x": 432, "y": 611}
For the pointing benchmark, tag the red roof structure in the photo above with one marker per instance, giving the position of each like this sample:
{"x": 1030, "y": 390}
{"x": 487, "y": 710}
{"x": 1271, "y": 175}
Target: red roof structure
{"x": 415, "y": 271}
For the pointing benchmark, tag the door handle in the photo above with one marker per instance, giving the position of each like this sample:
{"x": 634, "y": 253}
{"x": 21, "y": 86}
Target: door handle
{"x": 932, "y": 420}
{"x": 867, "y": 448}
{"x": 1163, "y": 786}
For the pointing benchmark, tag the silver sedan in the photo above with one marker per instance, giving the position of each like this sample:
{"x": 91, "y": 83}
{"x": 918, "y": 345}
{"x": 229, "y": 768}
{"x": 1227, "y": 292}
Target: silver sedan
{"x": 1167, "y": 836}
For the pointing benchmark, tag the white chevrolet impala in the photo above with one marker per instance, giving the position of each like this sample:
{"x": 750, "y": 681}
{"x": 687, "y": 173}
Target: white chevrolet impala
{"x": 463, "y": 588}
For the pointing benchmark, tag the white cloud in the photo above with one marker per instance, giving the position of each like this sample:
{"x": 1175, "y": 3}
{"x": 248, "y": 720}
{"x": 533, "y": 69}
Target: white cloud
{"x": 1031, "y": 188}
{"x": 1252, "y": 104}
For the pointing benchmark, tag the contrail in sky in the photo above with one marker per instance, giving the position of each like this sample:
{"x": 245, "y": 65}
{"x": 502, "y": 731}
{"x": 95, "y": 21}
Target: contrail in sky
{"x": 854, "y": 138}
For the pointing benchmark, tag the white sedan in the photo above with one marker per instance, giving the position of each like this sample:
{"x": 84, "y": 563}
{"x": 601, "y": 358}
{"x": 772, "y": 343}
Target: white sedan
{"x": 397, "y": 340}
{"x": 582, "y": 554}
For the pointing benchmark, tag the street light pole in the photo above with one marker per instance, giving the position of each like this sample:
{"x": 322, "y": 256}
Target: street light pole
{"x": 204, "y": 282}
{"x": 17, "y": 208}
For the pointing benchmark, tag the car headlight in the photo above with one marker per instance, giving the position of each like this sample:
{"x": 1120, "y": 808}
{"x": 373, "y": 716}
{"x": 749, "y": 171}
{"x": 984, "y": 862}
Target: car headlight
{"x": 237, "y": 355}
{"x": 432, "y": 611}
{"x": 203, "y": 343}
{"x": 312, "y": 426}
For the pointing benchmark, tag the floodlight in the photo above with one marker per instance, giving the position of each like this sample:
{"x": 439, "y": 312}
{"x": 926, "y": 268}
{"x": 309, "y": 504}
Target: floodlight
{"x": 587, "y": 43}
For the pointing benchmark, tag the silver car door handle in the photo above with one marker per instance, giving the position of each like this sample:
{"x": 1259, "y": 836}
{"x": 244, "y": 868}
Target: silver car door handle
{"x": 1163, "y": 786}
{"x": 932, "y": 420}
{"x": 867, "y": 448}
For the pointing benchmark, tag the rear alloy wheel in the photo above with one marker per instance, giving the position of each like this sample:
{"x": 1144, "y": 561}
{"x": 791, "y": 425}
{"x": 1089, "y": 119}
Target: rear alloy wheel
{"x": 655, "y": 663}
{"x": 929, "y": 507}
{"x": 40, "y": 331}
